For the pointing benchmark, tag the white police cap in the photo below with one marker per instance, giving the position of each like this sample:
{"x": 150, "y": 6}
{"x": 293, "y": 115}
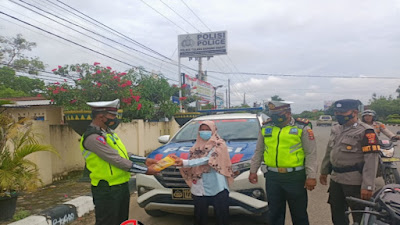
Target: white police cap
{"x": 109, "y": 106}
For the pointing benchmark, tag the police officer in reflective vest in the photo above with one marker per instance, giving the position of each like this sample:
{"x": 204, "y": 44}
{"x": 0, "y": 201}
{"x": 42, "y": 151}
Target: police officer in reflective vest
{"x": 351, "y": 159}
{"x": 110, "y": 164}
{"x": 288, "y": 149}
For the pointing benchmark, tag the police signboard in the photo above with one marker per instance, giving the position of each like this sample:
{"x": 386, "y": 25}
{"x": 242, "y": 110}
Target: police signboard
{"x": 202, "y": 44}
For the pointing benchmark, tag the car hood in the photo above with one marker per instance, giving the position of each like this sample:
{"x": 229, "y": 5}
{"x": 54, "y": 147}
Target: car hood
{"x": 239, "y": 151}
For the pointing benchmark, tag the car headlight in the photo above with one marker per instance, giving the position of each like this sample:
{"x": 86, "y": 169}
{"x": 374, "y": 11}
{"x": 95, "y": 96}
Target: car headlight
{"x": 241, "y": 167}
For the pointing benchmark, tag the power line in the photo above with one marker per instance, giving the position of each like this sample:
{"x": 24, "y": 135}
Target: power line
{"x": 100, "y": 53}
{"x": 164, "y": 16}
{"x": 115, "y": 31}
{"x": 195, "y": 15}
{"x": 314, "y": 76}
{"x": 180, "y": 16}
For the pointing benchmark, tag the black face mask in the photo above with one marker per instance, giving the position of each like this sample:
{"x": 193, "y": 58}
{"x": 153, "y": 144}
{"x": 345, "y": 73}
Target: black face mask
{"x": 278, "y": 119}
{"x": 112, "y": 123}
{"x": 344, "y": 119}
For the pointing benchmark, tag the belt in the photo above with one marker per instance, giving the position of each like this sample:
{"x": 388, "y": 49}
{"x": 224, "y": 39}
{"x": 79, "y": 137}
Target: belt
{"x": 285, "y": 170}
{"x": 357, "y": 167}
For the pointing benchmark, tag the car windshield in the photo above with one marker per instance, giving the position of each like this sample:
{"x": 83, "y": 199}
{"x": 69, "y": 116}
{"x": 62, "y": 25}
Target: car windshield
{"x": 325, "y": 117}
{"x": 228, "y": 129}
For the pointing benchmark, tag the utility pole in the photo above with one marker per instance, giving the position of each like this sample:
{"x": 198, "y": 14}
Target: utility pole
{"x": 244, "y": 99}
{"x": 229, "y": 94}
{"x": 226, "y": 97}
{"x": 200, "y": 77}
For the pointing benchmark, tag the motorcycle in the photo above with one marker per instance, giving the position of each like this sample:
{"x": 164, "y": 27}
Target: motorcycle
{"x": 387, "y": 163}
{"x": 384, "y": 209}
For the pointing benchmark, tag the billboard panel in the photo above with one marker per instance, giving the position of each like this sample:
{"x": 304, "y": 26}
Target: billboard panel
{"x": 202, "y": 44}
{"x": 200, "y": 88}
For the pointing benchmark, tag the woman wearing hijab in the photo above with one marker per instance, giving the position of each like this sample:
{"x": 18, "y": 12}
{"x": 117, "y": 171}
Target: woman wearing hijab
{"x": 208, "y": 172}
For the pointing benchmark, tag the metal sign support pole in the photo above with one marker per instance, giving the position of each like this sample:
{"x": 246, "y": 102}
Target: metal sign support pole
{"x": 180, "y": 83}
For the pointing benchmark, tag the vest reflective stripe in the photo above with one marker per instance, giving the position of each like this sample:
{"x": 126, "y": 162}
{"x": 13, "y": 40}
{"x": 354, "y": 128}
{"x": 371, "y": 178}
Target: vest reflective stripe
{"x": 102, "y": 170}
{"x": 283, "y": 146}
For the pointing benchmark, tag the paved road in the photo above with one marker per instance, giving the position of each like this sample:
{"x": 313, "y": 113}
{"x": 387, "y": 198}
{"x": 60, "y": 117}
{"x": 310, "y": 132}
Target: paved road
{"x": 318, "y": 209}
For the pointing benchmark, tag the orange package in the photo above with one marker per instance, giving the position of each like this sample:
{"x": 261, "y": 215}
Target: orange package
{"x": 164, "y": 163}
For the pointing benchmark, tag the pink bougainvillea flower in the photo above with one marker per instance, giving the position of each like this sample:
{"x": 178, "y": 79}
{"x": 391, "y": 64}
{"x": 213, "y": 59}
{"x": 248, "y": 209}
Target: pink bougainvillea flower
{"x": 38, "y": 95}
{"x": 194, "y": 87}
{"x": 79, "y": 78}
{"x": 52, "y": 100}
{"x": 59, "y": 67}
{"x": 65, "y": 80}
{"x": 122, "y": 74}
{"x": 182, "y": 98}
{"x": 72, "y": 101}
{"x": 98, "y": 84}
{"x": 139, "y": 106}
{"x": 131, "y": 91}
{"x": 63, "y": 89}
{"x": 137, "y": 98}
{"x": 184, "y": 85}
{"x": 54, "y": 70}
{"x": 49, "y": 88}
{"x": 116, "y": 77}
{"x": 55, "y": 92}
{"x": 109, "y": 68}
{"x": 174, "y": 85}
{"x": 57, "y": 83}
{"x": 98, "y": 71}
{"x": 96, "y": 63}
{"x": 128, "y": 83}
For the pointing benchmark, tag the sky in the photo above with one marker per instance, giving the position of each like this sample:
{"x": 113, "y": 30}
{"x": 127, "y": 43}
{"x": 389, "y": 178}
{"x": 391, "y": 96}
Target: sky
{"x": 330, "y": 49}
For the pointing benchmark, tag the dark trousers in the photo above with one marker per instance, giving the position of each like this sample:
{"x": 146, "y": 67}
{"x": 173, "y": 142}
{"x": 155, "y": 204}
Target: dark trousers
{"x": 337, "y": 199}
{"x": 220, "y": 202}
{"x": 111, "y": 203}
{"x": 287, "y": 187}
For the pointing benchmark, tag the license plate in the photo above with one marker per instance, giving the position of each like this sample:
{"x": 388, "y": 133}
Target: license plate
{"x": 393, "y": 159}
{"x": 181, "y": 194}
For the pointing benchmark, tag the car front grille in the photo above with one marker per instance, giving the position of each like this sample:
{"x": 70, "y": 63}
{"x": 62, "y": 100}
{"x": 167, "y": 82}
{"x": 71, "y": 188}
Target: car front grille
{"x": 171, "y": 178}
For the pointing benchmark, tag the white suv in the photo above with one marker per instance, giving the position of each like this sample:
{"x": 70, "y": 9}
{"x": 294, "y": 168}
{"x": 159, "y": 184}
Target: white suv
{"x": 168, "y": 192}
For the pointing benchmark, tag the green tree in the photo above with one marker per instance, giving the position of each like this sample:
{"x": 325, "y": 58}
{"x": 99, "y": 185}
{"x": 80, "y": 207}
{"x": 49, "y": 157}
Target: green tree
{"x": 385, "y": 106}
{"x": 276, "y": 98}
{"x": 14, "y": 86}
{"x": 12, "y": 50}
{"x": 398, "y": 92}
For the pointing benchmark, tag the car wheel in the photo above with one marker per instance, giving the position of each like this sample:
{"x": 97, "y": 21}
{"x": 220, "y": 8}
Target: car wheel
{"x": 155, "y": 213}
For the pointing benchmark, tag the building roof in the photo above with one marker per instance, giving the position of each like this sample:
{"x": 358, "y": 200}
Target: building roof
{"x": 26, "y": 102}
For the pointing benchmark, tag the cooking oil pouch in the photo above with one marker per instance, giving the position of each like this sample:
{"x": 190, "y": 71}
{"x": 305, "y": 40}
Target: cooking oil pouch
{"x": 164, "y": 163}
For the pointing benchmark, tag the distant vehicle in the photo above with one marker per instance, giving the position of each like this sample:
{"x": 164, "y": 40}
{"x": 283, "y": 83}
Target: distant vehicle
{"x": 324, "y": 120}
{"x": 168, "y": 192}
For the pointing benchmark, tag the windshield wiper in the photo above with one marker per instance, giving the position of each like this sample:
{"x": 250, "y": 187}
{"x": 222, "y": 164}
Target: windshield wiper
{"x": 241, "y": 139}
{"x": 189, "y": 140}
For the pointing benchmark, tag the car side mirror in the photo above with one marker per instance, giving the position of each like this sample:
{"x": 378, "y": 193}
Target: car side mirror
{"x": 164, "y": 139}
{"x": 398, "y": 132}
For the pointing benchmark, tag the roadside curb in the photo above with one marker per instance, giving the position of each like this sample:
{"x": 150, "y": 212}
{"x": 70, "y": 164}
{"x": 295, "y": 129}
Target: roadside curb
{"x": 67, "y": 212}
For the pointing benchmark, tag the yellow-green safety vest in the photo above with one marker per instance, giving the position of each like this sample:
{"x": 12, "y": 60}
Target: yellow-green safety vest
{"x": 102, "y": 170}
{"x": 283, "y": 146}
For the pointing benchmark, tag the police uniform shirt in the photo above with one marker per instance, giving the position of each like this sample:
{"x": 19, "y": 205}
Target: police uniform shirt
{"x": 348, "y": 146}
{"x": 104, "y": 151}
{"x": 309, "y": 146}
{"x": 380, "y": 127}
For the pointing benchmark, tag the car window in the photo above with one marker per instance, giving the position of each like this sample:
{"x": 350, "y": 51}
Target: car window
{"x": 228, "y": 129}
{"x": 325, "y": 118}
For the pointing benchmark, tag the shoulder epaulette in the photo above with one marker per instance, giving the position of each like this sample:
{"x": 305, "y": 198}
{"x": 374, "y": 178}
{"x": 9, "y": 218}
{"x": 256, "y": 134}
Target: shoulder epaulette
{"x": 269, "y": 120}
{"x": 91, "y": 130}
{"x": 302, "y": 120}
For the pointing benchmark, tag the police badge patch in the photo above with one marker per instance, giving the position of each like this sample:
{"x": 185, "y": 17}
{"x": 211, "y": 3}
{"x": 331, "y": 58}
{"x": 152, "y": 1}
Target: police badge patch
{"x": 268, "y": 132}
{"x": 294, "y": 131}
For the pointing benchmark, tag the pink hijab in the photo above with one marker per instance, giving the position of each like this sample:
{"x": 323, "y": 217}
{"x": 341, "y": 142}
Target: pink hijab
{"x": 219, "y": 160}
